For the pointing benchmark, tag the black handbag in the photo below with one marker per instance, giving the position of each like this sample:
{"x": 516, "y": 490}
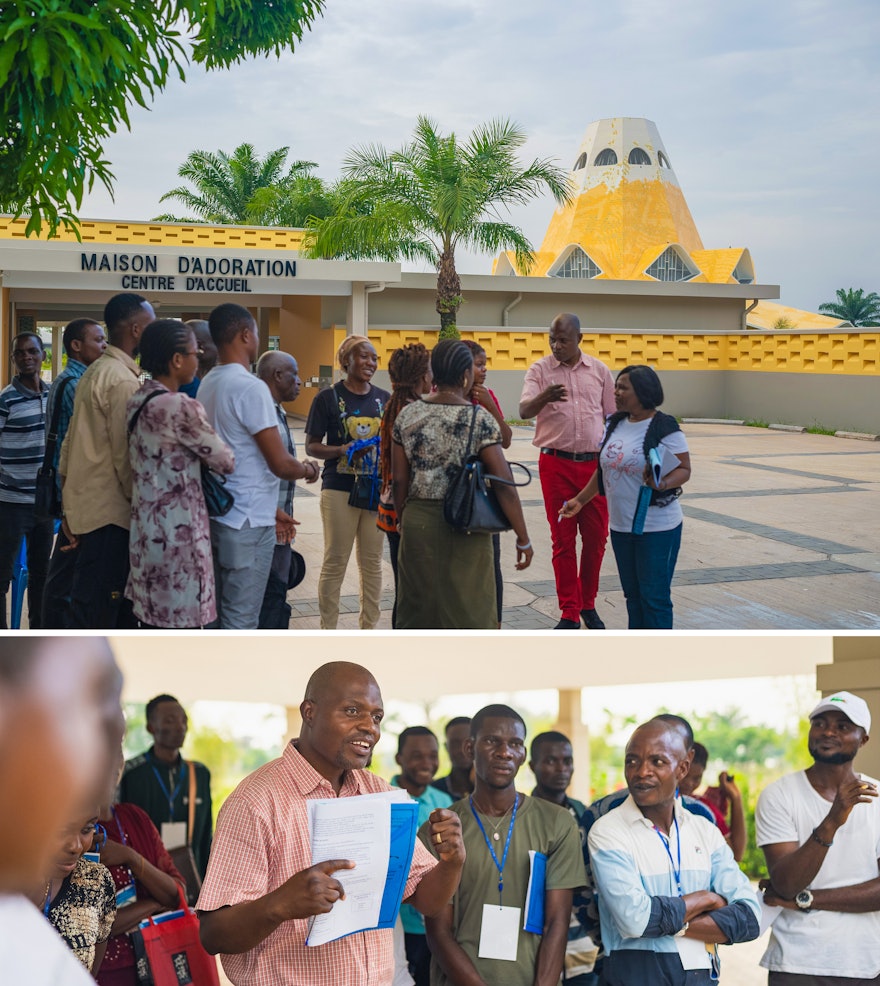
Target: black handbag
{"x": 218, "y": 499}
{"x": 470, "y": 504}
{"x": 47, "y": 500}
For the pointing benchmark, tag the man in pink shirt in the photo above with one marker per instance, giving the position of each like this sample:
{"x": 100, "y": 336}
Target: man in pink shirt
{"x": 261, "y": 889}
{"x": 571, "y": 394}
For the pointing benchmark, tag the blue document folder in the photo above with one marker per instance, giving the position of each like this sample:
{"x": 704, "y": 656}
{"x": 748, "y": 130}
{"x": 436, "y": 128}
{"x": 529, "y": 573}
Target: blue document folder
{"x": 404, "y": 826}
{"x": 534, "y": 909}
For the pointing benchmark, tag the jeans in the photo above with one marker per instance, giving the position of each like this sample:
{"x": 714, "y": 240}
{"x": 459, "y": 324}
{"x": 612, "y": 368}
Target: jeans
{"x": 645, "y": 563}
{"x": 17, "y": 521}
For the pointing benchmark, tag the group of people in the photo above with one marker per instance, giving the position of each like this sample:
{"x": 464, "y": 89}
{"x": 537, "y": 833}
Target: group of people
{"x": 137, "y": 547}
{"x": 640, "y": 887}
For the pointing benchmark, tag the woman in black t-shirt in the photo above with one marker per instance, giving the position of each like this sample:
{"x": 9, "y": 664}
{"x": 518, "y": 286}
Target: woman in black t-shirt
{"x": 349, "y": 412}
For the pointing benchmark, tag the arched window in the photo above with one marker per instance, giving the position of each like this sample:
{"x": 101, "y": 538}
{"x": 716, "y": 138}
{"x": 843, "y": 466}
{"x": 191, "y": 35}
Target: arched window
{"x": 638, "y": 156}
{"x": 663, "y": 159}
{"x": 670, "y": 266}
{"x": 580, "y": 163}
{"x": 577, "y": 264}
{"x": 605, "y": 157}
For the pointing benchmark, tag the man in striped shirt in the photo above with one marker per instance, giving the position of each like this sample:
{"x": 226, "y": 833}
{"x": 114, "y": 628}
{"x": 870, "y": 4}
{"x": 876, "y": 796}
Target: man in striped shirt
{"x": 22, "y": 445}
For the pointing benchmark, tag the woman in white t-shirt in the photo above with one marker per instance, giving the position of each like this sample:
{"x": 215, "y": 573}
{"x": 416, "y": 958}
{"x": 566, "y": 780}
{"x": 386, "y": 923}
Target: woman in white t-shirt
{"x": 645, "y": 560}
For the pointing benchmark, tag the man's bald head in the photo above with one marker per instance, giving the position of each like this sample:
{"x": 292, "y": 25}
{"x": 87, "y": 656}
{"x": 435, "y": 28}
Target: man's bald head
{"x": 341, "y": 713}
{"x": 280, "y": 373}
{"x": 659, "y": 727}
{"x": 567, "y": 321}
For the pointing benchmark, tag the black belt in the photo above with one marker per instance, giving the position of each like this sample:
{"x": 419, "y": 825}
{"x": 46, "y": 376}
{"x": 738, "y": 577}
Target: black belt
{"x": 574, "y": 456}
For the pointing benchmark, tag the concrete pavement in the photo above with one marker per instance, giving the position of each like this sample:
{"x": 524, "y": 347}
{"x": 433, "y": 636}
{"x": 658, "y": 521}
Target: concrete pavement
{"x": 780, "y": 533}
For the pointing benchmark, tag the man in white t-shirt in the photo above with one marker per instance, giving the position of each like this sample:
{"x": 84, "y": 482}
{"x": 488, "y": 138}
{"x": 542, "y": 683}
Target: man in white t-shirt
{"x": 242, "y": 412}
{"x": 820, "y": 832}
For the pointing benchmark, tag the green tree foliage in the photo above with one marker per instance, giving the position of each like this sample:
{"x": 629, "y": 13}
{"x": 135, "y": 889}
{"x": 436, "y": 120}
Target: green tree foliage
{"x": 433, "y": 195}
{"x": 854, "y": 306}
{"x": 224, "y": 185}
{"x": 292, "y": 203}
{"x": 71, "y": 69}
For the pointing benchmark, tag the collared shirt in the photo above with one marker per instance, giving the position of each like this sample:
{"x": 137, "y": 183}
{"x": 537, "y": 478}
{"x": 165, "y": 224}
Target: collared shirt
{"x": 576, "y": 424}
{"x": 286, "y": 487}
{"x": 72, "y": 372}
{"x": 22, "y": 440}
{"x": 640, "y": 906}
{"x": 262, "y": 840}
{"x": 94, "y": 456}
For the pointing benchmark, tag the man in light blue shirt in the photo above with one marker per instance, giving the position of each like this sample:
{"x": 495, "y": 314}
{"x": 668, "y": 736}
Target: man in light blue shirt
{"x": 669, "y": 888}
{"x": 418, "y": 756}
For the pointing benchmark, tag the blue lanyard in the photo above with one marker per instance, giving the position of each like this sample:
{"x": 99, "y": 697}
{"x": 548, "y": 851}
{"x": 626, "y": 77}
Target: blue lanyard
{"x": 118, "y": 826}
{"x": 172, "y": 796}
{"x": 675, "y": 872}
{"x": 499, "y": 866}
{"x": 47, "y": 904}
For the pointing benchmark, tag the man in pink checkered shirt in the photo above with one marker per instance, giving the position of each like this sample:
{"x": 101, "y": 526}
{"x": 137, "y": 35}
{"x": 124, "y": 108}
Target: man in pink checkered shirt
{"x": 260, "y": 889}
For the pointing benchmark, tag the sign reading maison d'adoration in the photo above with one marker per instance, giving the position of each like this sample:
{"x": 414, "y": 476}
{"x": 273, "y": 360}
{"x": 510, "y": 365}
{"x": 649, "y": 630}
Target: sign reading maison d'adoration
{"x": 141, "y": 271}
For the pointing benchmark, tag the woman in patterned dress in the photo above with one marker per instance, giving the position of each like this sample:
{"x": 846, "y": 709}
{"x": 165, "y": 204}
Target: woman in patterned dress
{"x": 446, "y": 577}
{"x": 171, "y": 581}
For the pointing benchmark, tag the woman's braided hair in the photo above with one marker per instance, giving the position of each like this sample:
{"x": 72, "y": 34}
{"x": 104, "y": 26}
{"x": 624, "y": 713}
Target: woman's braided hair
{"x": 450, "y": 360}
{"x": 406, "y": 368}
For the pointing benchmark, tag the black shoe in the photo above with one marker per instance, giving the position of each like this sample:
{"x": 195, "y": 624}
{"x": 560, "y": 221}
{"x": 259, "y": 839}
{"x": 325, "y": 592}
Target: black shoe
{"x": 592, "y": 620}
{"x": 567, "y": 625}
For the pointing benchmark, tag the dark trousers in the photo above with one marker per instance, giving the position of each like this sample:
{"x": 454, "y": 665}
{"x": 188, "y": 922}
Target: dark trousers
{"x": 801, "y": 979}
{"x": 17, "y": 521}
{"x": 499, "y": 578}
{"x": 97, "y": 592}
{"x": 275, "y": 611}
{"x": 393, "y": 549}
{"x": 645, "y": 564}
{"x": 418, "y": 957}
{"x": 56, "y": 593}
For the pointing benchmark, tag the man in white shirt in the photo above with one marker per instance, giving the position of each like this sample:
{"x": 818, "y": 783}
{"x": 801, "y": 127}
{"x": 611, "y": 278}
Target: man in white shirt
{"x": 820, "y": 832}
{"x": 61, "y": 727}
{"x": 242, "y": 412}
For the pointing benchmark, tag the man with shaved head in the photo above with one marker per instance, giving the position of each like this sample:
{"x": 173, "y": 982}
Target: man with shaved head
{"x": 261, "y": 889}
{"x": 669, "y": 889}
{"x": 572, "y": 394}
{"x": 61, "y": 727}
{"x": 280, "y": 373}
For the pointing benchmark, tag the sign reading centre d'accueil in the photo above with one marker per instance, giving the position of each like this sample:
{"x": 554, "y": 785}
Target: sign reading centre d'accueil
{"x": 185, "y": 272}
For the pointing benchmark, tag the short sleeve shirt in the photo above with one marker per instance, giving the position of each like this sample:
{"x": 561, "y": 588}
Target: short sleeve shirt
{"x": 262, "y": 839}
{"x": 343, "y": 416}
{"x": 539, "y": 825}
{"x": 84, "y": 909}
{"x": 239, "y": 406}
{"x": 435, "y": 440}
{"x": 623, "y": 466}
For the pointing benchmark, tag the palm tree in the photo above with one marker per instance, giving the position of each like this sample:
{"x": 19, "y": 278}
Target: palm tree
{"x": 854, "y": 306}
{"x": 224, "y": 185}
{"x": 433, "y": 195}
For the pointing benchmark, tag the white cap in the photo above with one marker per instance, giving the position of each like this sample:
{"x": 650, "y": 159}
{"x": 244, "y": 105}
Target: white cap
{"x": 853, "y": 707}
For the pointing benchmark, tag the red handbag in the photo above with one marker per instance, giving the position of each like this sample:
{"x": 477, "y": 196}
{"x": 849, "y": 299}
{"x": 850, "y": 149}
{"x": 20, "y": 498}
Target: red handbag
{"x": 169, "y": 953}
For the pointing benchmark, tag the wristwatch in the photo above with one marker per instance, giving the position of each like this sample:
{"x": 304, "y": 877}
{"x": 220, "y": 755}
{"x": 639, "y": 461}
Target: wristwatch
{"x": 804, "y": 900}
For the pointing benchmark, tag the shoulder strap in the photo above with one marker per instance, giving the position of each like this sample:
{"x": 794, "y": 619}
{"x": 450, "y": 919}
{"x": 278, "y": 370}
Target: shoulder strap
{"x": 191, "y": 767}
{"x": 52, "y": 437}
{"x": 144, "y": 402}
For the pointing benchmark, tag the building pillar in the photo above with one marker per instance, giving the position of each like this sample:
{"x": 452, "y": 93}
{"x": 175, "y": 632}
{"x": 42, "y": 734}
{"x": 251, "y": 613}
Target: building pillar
{"x": 294, "y": 723}
{"x": 856, "y": 669}
{"x": 569, "y": 721}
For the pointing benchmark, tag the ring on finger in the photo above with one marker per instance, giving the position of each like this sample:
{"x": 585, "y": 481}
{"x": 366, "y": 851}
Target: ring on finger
{"x": 438, "y": 838}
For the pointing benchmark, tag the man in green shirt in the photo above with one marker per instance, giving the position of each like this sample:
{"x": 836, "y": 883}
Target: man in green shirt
{"x": 480, "y": 938}
{"x": 159, "y": 782}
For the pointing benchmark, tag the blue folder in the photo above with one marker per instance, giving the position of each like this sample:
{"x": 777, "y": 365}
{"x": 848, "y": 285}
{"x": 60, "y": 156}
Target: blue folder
{"x": 534, "y": 909}
{"x": 404, "y": 826}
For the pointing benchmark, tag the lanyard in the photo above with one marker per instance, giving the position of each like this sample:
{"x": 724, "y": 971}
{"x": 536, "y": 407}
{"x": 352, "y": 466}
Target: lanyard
{"x": 499, "y": 866}
{"x": 172, "y": 796}
{"x": 675, "y": 872}
{"x": 47, "y": 904}
{"x": 118, "y": 826}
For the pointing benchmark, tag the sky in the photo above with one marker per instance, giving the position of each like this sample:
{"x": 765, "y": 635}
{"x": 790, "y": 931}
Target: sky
{"x": 767, "y": 111}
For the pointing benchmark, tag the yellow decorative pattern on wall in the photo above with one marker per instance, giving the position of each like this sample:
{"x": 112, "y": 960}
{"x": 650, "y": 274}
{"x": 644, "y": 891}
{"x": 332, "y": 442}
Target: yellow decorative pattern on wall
{"x": 845, "y": 352}
{"x": 168, "y": 234}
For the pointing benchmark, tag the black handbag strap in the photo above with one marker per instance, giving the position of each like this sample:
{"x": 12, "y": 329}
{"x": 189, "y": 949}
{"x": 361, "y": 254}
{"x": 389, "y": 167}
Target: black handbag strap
{"x": 52, "y": 437}
{"x": 144, "y": 402}
{"x": 489, "y": 476}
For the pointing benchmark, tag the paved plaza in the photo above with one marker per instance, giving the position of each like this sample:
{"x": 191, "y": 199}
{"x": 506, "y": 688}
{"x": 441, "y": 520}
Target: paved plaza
{"x": 780, "y": 533}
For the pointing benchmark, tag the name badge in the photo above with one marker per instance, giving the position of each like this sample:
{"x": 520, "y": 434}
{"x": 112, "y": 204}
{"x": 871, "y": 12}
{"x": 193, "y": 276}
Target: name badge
{"x": 173, "y": 834}
{"x": 126, "y": 895}
{"x": 92, "y": 857}
{"x": 499, "y": 932}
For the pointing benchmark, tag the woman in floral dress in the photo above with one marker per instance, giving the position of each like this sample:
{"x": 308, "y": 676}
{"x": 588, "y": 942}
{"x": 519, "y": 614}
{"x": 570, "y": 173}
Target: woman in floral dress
{"x": 171, "y": 582}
